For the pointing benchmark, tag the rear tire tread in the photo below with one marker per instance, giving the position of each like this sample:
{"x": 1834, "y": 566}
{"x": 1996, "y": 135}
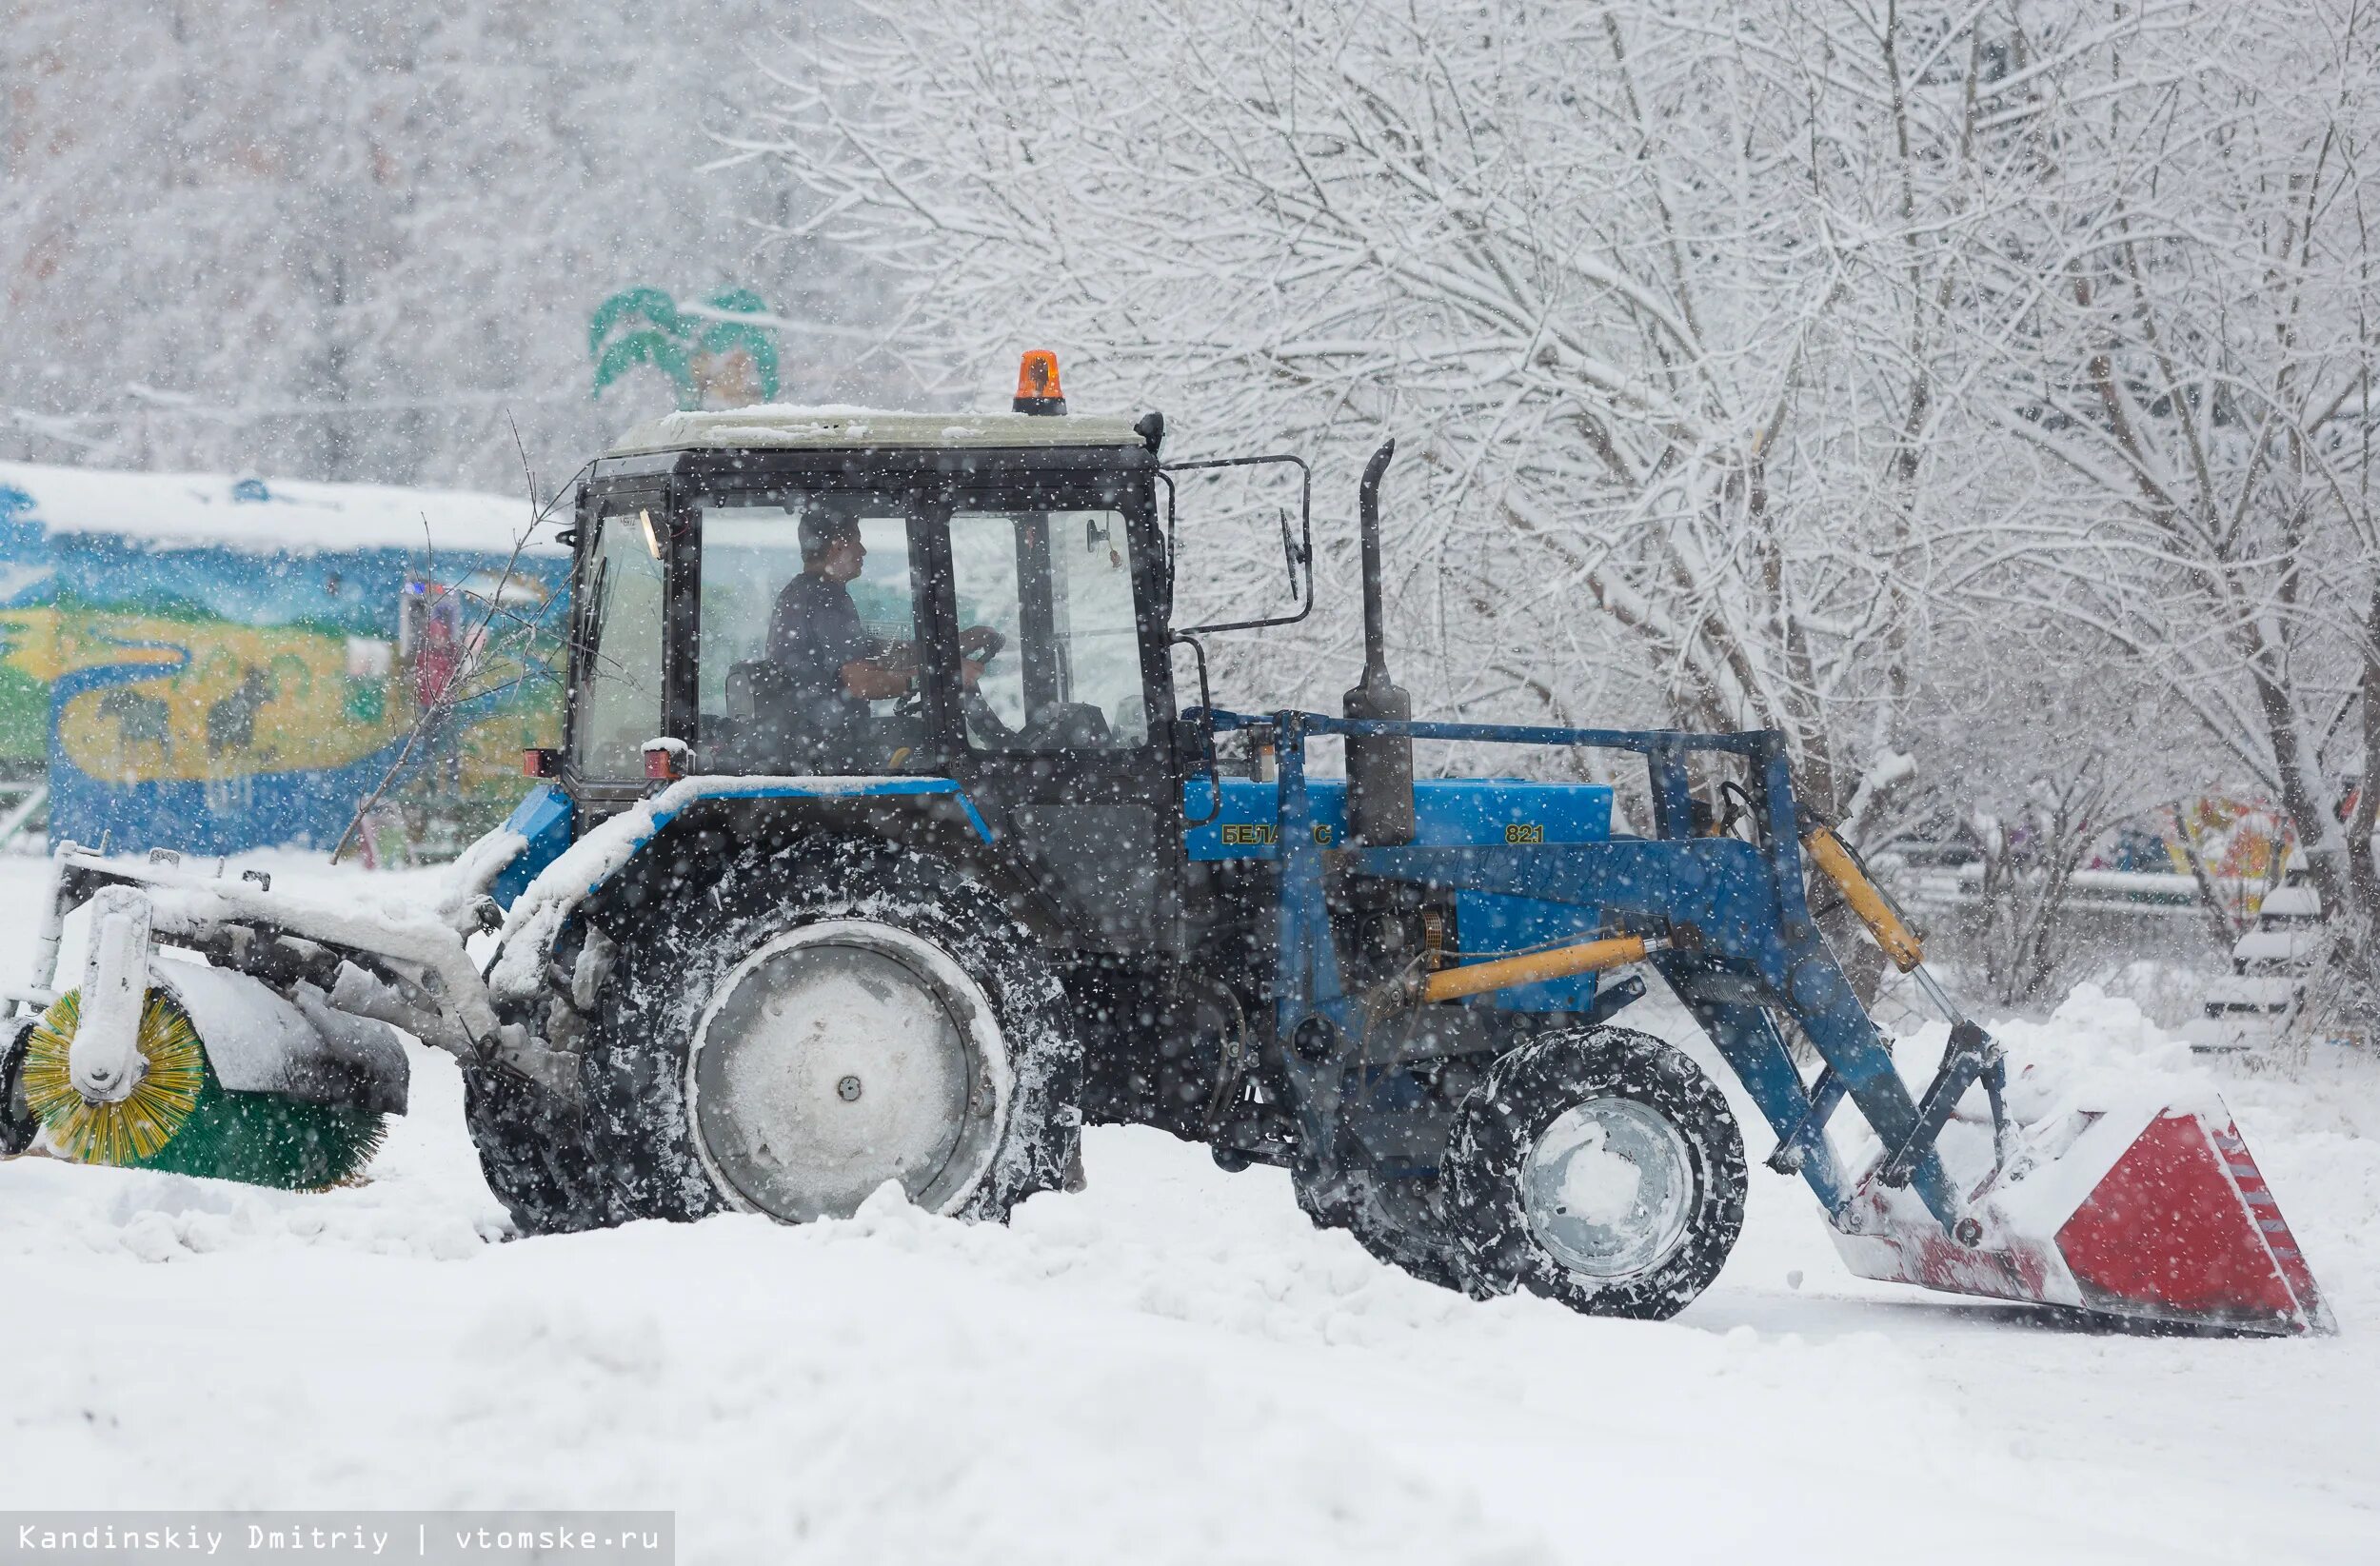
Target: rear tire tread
{"x": 639, "y": 1123}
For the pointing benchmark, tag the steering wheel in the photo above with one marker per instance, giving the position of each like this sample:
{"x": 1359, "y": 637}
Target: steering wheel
{"x": 979, "y": 713}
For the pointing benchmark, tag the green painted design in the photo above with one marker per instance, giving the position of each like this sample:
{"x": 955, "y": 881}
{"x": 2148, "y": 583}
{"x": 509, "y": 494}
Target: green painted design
{"x": 366, "y": 700}
{"x": 648, "y": 348}
{"x": 697, "y": 352}
{"x": 654, "y": 307}
{"x": 24, "y": 716}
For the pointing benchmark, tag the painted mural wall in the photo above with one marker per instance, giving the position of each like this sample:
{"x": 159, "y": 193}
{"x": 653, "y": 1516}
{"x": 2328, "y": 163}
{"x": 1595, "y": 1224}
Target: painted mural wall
{"x": 216, "y": 664}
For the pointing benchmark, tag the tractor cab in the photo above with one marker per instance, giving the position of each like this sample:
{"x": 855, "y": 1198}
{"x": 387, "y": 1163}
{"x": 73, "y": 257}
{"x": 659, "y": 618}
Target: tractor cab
{"x": 880, "y": 597}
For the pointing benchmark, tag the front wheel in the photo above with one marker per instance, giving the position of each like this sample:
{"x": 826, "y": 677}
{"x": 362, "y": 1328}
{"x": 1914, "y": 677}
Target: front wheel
{"x": 1599, "y": 1168}
{"x": 533, "y": 1154}
{"x": 18, "y": 1126}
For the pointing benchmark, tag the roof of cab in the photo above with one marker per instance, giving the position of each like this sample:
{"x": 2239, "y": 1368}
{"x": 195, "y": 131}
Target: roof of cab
{"x": 777, "y": 427}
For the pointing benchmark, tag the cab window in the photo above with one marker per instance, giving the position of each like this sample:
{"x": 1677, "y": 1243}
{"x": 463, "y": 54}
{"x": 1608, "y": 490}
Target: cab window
{"x": 1055, "y": 588}
{"x": 779, "y": 619}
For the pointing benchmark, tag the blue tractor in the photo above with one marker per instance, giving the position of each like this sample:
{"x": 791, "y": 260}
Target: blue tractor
{"x": 759, "y": 949}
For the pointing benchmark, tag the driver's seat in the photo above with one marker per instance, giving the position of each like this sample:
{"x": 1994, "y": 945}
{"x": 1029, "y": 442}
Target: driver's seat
{"x": 774, "y": 729}
{"x": 767, "y": 727}
{"x": 760, "y": 693}
{"x": 1069, "y": 725}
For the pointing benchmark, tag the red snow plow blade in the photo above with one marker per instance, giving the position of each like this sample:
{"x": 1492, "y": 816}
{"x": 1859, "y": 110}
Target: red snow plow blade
{"x": 2153, "y": 1214}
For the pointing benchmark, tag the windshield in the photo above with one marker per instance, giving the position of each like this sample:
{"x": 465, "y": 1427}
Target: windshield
{"x": 816, "y": 644}
{"x": 620, "y": 626}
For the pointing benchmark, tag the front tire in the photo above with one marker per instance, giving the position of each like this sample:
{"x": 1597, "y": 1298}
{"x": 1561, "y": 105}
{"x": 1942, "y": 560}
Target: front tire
{"x": 533, "y": 1154}
{"x": 1599, "y": 1168}
{"x": 18, "y": 1126}
{"x": 819, "y": 1021}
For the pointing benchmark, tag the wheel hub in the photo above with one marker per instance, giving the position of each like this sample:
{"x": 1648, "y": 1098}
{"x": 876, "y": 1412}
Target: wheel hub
{"x": 835, "y": 1059}
{"x": 1608, "y": 1188}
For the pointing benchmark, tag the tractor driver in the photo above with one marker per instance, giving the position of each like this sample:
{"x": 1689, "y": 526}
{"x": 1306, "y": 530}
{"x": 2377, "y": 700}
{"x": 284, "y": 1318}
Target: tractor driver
{"x": 834, "y": 667}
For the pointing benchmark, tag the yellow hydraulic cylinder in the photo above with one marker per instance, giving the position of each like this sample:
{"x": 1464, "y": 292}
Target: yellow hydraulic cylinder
{"x": 1532, "y": 967}
{"x": 1899, "y": 942}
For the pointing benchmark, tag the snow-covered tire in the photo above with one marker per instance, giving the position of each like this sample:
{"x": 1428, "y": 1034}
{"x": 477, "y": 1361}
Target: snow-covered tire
{"x": 1599, "y": 1168}
{"x": 975, "y": 1106}
{"x": 1414, "y": 1247}
{"x": 17, "y": 1126}
{"x": 533, "y": 1154}
{"x": 1400, "y": 1231}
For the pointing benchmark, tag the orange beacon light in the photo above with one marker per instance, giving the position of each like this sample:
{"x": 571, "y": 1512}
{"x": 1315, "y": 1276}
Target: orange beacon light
{"x": 1037, "y": 383}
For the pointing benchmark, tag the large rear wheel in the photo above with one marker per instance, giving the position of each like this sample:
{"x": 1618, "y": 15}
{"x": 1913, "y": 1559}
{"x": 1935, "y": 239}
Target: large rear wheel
{"x": 821, "y": 1022}
{"x": 1600, "y": 1168}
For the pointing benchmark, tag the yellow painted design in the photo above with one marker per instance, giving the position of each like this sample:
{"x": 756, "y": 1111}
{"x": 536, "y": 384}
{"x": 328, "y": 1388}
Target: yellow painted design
{"x": 251, "y": 699}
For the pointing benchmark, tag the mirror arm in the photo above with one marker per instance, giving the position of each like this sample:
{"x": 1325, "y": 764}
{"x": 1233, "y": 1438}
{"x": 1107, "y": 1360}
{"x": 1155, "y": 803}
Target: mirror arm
{"x": 1165, "y": 556}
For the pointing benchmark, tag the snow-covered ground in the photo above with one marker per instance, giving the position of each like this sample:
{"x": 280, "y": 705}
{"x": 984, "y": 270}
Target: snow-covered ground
{"x": 1171, "y": 1366}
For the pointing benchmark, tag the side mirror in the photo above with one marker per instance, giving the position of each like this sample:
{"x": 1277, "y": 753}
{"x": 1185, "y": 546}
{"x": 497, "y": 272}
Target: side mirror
{"x": 1297, "y": 544}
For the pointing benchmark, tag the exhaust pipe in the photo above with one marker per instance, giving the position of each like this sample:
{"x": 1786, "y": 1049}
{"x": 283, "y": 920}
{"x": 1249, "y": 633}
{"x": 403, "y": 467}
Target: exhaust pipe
{"x": 1380, "y": 766}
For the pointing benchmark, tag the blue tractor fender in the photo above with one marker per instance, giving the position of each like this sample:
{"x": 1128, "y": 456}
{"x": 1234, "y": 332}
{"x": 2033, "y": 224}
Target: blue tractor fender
{"x": 542, "y": 821}
{"x": 555, "y": 876}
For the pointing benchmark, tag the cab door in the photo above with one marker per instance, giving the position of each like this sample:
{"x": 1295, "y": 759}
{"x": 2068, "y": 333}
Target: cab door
{"x": 1063, "y": 732}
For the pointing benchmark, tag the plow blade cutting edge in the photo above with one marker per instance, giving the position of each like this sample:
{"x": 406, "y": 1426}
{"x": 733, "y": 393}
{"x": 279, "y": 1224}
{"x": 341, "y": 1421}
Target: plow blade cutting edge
{"x": 2151, "y": 1213}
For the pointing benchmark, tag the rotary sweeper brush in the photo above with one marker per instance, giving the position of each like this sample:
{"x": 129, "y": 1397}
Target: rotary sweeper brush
{"x": 882, "y": 845}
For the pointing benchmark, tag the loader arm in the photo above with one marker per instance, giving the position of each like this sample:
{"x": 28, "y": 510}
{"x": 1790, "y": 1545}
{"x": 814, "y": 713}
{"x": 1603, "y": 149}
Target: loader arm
{"x": 1742, "y": 947}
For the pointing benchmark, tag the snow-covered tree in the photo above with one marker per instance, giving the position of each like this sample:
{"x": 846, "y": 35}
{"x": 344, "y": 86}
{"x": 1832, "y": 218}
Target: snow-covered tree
{"x": 1672, "y": 301}
{"x": 359, "y": 242}
{"x": 2193, "y": 368}
{"x": 1747, "y": 348}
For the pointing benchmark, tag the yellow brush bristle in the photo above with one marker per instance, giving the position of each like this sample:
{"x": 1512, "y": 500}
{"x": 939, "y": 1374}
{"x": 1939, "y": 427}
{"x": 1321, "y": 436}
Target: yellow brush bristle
{"x": 145, "y": 1119}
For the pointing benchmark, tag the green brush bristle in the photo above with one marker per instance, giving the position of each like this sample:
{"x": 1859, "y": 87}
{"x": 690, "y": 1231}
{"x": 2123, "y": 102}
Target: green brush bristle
{"x": 259, "y": 1139}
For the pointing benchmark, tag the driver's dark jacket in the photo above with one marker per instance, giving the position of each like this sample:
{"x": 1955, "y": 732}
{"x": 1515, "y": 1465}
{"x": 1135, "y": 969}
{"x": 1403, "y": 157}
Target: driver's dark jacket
{"x": 814, "y": 632}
